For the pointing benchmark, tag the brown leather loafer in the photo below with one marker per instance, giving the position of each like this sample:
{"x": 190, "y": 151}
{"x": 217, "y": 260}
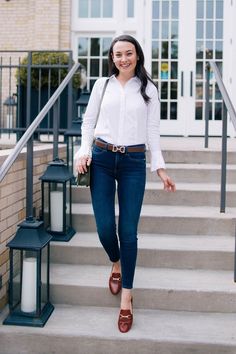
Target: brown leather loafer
{"x": 115, "y": 283}
{"x": 125, "y": 321}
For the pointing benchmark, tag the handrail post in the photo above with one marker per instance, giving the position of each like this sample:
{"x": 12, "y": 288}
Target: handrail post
{"x": 55, "y": 129}
{"x": 29, "y": 167}
{"x": 223, "y": 159}
{"x": 207, "y": 103}
{"x": 70, "y": 94}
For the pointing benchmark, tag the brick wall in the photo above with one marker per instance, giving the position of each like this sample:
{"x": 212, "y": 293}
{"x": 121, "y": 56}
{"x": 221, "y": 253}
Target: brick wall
{"x": 13, "y": 202}
{"x": 35, "y": 24}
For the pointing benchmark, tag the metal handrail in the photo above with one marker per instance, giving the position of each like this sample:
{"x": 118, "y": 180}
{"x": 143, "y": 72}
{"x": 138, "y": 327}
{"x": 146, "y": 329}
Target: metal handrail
{"x": 33, "y": 126}
{"x": 227, "y": 107}
{"x": 224, "y": 93}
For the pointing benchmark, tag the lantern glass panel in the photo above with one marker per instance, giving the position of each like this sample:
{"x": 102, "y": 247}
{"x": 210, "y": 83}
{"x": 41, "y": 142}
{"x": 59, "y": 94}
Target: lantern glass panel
{"x": 16, "y": 276}
{"x": 68, "y": 204}
{"x": 56, "y": 208}
{"x": 28, "y": 274}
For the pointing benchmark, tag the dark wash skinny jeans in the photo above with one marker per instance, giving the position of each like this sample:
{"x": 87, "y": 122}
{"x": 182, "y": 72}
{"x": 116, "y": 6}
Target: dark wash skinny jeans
{"x": 127, "y": 173}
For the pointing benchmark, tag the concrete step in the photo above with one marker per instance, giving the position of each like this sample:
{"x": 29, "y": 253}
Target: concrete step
{"x": 93, "y": 330}
{"x": 195, "y": 173}
{"x": 162, "y": 251}
{"x": 154, "y": 288}
{"x": 192, "y": 194}
{"x": 165, "y": 219}
{"x": 196, "y": 156}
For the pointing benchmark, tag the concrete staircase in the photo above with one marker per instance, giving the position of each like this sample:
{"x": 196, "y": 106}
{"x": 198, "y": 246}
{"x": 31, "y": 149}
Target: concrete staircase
{"x": 184, "y": 297}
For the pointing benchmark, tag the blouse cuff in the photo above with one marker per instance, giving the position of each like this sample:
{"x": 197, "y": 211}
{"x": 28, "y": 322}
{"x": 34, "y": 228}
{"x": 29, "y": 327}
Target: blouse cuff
{"x": 157, "y": 160}
{"x": 83, "y": 151}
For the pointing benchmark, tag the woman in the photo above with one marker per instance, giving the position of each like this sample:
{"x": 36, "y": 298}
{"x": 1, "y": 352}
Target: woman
{"x": 128, "y": 121}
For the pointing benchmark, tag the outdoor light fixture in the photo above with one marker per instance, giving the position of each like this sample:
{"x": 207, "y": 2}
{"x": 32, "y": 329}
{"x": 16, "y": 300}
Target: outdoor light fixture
{"x": 29, "y": 302}
{"x": 56, "y": 200}
{"x": 11, "y": 105}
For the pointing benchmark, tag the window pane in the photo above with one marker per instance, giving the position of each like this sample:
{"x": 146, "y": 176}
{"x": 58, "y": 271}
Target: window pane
{"x": 104, "y": 67}
{"x": 199, "y": 70}
{"x": 130, "y": 8}
{"x": 95, "y": 46}
{"x": 155, "y": 10}
{"x": 209, "y": 29}
{"x": 165, "y": 9}
{"x": 155, "y": 29}
{"x": 174, "y": 29}
{"x": 94, "y": 67}
{"x": 84, "y": 63}
{"x": 209, "y": 9}
{"x": 198, "y": 110}
{"x": 219, "y": 9}
{"x": 164, "y": 71}
{"x": 199, "y": 50}
{"x": 175, "y": 9}
{"x": 219, "y": 30}
{"x": 165, "y": 30}
{"x": 83, "y": 47}
{"x": 218, "y": 111}
{"x": 107, "y": 8}
{"x": 164, "y": 90}
{"x": 199, "y": 90}
{"x": 209, "y": 50}
{"x": 174, "y": 50}
{"x": 174, "y": 70}
{"x": 95, "y": 8}
{"x": 200, "y": 9}
{"x": 83, "y": 8}
{"x": 217, "y": 93}
{"x": 106, "y": 42}
{"x": 173, "y": 110}
{"x": 164, "y": 50}
{"x": 219, "y": 64}
{"x": 173, "y": 92}
{"x": 155, "y": 70}
{"x": 163, "y": 110}
{"x": 218, "y": 50}
{"x": 155, "y": 49}
{"x": 199, "y": 29}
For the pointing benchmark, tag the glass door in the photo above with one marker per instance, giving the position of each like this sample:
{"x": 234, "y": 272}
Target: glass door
{"x": 185, "y": 34}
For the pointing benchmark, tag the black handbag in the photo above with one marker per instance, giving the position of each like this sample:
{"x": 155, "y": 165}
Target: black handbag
{"x": 83, "y": 179}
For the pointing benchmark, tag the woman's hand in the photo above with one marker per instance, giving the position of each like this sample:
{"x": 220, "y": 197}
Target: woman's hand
{"x": 82, "y": 163}
{"x": 169, "y": 185}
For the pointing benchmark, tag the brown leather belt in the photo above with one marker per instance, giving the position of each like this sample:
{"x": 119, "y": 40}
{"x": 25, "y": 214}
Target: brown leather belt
{"x": 120, "y": 148}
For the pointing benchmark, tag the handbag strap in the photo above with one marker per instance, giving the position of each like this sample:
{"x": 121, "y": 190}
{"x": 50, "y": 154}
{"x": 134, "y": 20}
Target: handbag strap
{"x": 99, "y": 109}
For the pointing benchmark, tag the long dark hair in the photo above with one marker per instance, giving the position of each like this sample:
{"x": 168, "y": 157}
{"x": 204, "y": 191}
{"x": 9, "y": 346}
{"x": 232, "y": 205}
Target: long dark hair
{"x": 140, "y": 70}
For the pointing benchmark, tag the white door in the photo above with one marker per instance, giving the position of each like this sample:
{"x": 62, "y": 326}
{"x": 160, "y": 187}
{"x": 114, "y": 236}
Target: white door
{"x": 185, "y": 34}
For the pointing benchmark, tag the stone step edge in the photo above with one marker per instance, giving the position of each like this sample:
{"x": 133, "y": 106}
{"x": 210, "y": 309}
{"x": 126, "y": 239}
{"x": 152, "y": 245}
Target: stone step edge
{"x": 158, "y": 326}
{"x": 190, "y": 280}
{"x": 169, "y": 211}
{"x": 221, "y": 244}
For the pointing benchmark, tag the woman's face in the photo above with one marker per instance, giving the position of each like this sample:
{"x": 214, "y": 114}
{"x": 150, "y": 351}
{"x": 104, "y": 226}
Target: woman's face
{"x": 125, "y": 57}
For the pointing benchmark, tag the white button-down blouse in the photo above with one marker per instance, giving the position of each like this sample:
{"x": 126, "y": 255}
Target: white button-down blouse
{"x": 124, "y": 119}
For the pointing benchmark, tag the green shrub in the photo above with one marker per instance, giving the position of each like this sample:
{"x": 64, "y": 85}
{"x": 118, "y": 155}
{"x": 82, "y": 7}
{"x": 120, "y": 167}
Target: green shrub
{"x": 43, "y": 58}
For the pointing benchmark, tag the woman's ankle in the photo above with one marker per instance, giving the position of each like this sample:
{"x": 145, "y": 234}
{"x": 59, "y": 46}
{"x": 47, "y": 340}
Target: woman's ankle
{"x": 116, "y": 267}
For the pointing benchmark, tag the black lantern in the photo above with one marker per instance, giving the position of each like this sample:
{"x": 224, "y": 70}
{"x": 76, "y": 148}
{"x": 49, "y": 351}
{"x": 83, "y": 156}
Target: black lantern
{"x": 28, "y": 299}
{"x": 10, "y": 104}
{"x": 56, "y": 200}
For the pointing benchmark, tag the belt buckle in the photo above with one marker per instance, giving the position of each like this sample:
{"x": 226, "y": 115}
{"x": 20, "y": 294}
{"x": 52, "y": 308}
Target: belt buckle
{"x": 120, "y": 149}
